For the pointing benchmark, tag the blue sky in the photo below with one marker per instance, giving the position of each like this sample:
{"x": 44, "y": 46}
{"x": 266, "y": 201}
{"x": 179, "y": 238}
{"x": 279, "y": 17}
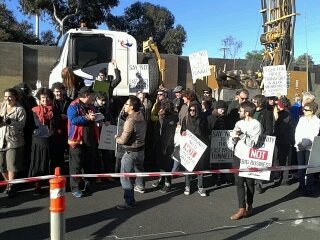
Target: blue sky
{"x": 207, "y": 22}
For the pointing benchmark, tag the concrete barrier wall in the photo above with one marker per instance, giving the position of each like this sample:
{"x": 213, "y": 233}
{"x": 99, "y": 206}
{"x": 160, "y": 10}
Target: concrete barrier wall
{"x": 29, "y": 63}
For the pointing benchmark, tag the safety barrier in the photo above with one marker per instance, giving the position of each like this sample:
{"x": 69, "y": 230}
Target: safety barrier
{"x": 158, "y": 174}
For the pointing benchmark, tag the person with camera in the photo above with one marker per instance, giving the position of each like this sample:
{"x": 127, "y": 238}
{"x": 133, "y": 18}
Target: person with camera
{"x": 12, "y": 121}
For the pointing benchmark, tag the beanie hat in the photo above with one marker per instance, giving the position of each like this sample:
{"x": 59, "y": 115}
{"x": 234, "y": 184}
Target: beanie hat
{"x": 220, "y": 104}
{"x": 283, "y": 102}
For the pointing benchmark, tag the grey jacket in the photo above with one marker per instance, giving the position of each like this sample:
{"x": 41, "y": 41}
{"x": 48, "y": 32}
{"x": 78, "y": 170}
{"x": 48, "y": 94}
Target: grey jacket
{"x": 12, "y": 134}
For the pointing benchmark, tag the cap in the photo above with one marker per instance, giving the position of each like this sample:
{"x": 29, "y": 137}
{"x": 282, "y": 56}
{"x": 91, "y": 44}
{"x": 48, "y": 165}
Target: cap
{"x": 86, "y": 89}
{"x": 220, "y": 104}
{"x": 177, "y": 89}
{"x": 207, "y": 89}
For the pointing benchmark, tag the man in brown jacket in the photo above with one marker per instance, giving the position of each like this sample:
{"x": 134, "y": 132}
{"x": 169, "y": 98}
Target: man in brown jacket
{"x": 133, "y": 141}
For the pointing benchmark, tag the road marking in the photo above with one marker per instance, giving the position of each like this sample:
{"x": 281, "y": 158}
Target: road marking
{"x": 148, "y": 235}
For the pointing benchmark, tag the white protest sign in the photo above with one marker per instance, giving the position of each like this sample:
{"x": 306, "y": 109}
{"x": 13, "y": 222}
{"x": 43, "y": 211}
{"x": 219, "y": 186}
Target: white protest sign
{"x": 199, "y": 64}
{"x": 314, "y": 156}
{"x": 259, "y": 156}
{"x": 138, "y": 78}
{"x": 107, "y": 140}
{"x": 191, "y": 150}
{"x": 275, "y": 80}
{"x": 119, "y": 148}
{"x": 219, "y": 152}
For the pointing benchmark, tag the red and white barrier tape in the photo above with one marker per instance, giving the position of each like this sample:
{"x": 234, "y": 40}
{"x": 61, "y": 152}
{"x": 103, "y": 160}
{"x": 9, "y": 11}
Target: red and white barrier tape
{"x": 158, "y": 174}
{"x": 27, "y": 180}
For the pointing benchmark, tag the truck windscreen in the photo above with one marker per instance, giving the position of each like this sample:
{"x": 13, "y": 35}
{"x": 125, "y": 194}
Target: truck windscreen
{"x": 88, "y": 50}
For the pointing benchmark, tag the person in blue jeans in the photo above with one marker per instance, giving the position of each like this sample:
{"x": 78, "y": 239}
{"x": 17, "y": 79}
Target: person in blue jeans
{"x": 133, "y": 140}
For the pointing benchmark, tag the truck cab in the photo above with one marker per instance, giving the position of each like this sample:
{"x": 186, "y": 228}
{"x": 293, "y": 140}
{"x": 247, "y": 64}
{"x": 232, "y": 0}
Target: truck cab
{"x": 86, "y": 51}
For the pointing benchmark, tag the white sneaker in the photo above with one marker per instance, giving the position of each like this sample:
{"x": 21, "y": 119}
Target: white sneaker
{"x": 202, "y": 192}
{"x": 187, "y": 191}
{"x": 139, "y": 189}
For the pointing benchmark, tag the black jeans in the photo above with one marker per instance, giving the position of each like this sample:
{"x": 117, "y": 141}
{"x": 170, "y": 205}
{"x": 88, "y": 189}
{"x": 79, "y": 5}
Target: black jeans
{"x": 241, "y": 190}
{"x": 80, "y": 158}
{"x": 240, "y": 183}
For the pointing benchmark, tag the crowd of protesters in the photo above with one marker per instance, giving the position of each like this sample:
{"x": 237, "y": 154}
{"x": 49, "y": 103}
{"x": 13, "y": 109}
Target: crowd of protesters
{"x": 37, "y": 133}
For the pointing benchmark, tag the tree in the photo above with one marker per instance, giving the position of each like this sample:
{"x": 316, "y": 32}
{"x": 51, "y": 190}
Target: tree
{"x": 232, "y": 47}
{"x": 301, "y": 60}
{"x": 144, "y": 20}
{"x": 13, "y": 31}
{"x": 67, "y": 14}
{"x": 254, "y": 59}
{"x": 47, "y": 38}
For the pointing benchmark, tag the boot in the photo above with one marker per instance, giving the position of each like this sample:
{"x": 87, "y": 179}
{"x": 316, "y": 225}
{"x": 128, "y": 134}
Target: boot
{"x": 249, "y": 210}
{"x": 240, "y": 214}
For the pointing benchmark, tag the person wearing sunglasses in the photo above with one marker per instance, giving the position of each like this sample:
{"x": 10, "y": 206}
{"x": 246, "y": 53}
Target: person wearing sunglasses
{"x": 198, "y": 125}
{"x": 235, "y": 106}
{"x": 162, "y": 94}
{"x": 308, "y": 127}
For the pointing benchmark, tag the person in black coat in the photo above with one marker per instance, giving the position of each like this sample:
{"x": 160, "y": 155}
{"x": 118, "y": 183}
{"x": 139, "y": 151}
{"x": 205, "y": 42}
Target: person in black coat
{"x": 218, "y": 120}
{"x": 265, "y": 117}
{"x": 164, "y": 138}
{"x": 61, "y": 103}
{"x": 199, "y": 127}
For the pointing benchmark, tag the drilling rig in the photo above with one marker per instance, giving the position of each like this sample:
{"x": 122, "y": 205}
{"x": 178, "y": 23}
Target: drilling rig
{"x": 279, "y": 18}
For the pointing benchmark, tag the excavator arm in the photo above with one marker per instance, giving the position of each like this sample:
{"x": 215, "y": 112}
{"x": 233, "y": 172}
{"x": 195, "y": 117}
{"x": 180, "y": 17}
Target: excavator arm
{"x": 151, "y": 46}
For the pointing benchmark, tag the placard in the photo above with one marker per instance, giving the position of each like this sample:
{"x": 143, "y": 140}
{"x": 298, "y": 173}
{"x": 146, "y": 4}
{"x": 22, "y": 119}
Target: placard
{"x": 119, "y": 148}
{"x": 138, "y": 78}
{"x": 101, "y": 86}
{"x": 219, "y": 152}
{"x": 199, "y": 64}
{"x": 260, "y": 156}
{"x": 314, "y": 158}
{"x": 191, "y": 150}
{"x": 107, "y": 140}
{"x": 275, "y": 80}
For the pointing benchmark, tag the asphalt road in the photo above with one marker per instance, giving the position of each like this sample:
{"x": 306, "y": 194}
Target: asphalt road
{"x": 280, "y": 213}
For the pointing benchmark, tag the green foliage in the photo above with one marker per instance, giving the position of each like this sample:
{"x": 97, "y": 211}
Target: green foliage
{"x": 13, "y": 31}
{"x": 301, "y": 60}
{"x": 255, "y": 55}
{"x": 254, "y": 58}
{"x": 94, "y": 11}
{"x": 47, "y": 38}
{"x": 144, "y": 20}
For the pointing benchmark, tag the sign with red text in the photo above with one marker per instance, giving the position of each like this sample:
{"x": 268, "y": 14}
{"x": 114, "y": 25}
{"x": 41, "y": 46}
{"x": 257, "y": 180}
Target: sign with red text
{"x": 191, "y": 150}
{"x": 259, "y": 156}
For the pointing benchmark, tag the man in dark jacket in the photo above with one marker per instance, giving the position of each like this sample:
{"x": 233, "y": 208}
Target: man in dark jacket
{"x": 133, "y": 140}
{"x": 235, "y": 106}
{"x": 61, "y": 102}
{"x": 265, "y": 117}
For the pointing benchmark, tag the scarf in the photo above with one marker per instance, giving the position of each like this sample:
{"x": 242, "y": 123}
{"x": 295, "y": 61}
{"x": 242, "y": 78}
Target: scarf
{"x": 44, "y": 113}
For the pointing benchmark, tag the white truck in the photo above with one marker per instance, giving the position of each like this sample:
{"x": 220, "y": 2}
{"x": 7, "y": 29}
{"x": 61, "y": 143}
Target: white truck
{"x": 87, "y": 51}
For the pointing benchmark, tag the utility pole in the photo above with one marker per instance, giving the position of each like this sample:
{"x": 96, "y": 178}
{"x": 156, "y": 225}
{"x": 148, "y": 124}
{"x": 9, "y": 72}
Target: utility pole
{"x": 224, "y": 49}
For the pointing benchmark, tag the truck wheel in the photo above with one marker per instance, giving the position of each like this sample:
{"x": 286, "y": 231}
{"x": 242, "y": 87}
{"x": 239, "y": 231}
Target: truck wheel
{"x": 154, "y": 74}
